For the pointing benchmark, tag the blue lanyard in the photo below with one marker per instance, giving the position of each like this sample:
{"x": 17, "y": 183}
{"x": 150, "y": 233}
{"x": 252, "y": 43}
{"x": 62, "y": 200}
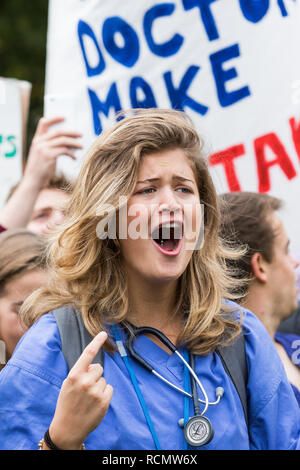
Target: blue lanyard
{"x": 186, "y": 414}
{"x": 125, "y": 358}
{"x": 123, "y": 354}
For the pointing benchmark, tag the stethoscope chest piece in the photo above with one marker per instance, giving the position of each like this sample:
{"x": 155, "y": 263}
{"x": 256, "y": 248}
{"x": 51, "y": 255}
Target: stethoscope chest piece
{"x": 198, "y": 431}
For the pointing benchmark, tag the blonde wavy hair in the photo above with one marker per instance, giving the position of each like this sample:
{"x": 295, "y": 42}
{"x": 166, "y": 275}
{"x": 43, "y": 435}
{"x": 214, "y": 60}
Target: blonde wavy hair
{"x": 87, "y": 272}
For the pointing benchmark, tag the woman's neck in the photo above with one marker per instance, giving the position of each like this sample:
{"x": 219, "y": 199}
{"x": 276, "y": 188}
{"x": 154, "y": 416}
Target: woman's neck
{"x": 155, "y": 306}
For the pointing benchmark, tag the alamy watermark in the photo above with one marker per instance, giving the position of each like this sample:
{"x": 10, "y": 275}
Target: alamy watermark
{"x": 140, "y": 221}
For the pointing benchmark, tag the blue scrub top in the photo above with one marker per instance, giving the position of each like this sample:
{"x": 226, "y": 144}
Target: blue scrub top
{"x": 31, "y": 381}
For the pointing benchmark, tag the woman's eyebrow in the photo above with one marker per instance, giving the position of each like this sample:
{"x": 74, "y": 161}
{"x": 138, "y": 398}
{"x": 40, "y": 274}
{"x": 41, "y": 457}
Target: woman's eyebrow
{"x": 181, "y": 178}
{"x": 149, "y": 180}
{"x": 177, "y": 177}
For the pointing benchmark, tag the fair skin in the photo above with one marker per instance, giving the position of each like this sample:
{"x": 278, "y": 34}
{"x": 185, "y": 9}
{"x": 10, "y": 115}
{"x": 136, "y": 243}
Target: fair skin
{"x": 47, "y": 211}
{"x": 84, "y": 398}
{"x": 11, "y": 299}
{"x": 47, "y": 145}
{"x": 272, "y": 295}
{"x": 167, "y": 197}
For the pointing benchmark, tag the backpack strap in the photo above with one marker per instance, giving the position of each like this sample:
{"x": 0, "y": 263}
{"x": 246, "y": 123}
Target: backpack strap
{"x": 234, "y": 361}
{"x": 74, "y": 335}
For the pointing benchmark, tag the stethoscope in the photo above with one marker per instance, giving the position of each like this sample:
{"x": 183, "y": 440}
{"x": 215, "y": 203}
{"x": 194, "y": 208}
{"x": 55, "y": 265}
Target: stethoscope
{"x": 198, "y": 430}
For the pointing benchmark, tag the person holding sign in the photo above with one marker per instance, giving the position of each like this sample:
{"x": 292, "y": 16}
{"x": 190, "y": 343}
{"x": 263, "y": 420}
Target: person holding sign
{"x": 131, "y": 268}
{"x": 37, "y": 201}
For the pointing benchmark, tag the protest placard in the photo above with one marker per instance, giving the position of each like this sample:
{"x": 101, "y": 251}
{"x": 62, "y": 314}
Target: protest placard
{"x": 233, "y": 66}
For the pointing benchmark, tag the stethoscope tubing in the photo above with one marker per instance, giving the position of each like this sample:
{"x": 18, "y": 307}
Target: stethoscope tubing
{"x": 197, "y": 380}
{"x": 183, "y": 391}
{"x": 192, "y": 437}
{"x": 137, "y": 331}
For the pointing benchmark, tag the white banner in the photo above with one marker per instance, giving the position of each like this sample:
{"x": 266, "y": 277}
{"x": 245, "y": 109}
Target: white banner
{"x": 13, "y": 114}
{"x": 232, "y": 65}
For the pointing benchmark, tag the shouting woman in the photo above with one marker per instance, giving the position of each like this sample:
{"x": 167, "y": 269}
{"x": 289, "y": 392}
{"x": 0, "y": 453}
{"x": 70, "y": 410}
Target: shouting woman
{"x": 139, "y": 262}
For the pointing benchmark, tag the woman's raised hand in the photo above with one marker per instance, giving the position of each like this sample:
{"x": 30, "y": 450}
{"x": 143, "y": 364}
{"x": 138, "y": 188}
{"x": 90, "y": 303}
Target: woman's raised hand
{"x": 83, "y": 400}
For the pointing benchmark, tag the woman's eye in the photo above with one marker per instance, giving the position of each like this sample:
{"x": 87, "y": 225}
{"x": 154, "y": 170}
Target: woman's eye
{"x": 146, "y": 191}
{"x": 185, "y": 190}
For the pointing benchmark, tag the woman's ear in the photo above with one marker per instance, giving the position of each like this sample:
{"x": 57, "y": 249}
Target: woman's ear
{"x": 258, "y": 265}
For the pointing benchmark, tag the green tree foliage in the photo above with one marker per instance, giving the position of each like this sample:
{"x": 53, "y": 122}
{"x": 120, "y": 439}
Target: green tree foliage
{"x": 23, "y": 36}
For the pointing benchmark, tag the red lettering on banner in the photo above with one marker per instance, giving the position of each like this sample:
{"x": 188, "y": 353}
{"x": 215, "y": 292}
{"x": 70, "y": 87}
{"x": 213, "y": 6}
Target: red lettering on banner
{"x": 295, "y": 128}
{"x": 263, "y": 165}
{"x": 226, "y": 158}
{"x": 261, "y": 144}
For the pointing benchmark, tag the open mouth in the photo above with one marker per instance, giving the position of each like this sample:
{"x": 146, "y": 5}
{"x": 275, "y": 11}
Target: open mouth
{"x": 168, "y": 237}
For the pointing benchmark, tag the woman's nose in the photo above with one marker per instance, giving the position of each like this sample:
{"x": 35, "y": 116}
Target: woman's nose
{"x": 169, "y": 202}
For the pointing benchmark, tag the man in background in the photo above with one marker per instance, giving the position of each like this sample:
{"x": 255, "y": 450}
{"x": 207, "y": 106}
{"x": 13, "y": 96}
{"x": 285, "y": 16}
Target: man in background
{"x": 267, "y": 270}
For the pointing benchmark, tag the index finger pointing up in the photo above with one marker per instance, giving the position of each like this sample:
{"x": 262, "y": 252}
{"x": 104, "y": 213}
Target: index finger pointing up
{"x": 90, "y": 352}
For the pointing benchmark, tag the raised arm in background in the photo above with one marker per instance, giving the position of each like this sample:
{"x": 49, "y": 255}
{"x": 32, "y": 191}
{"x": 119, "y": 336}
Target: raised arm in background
{"x": 47, "y": 145}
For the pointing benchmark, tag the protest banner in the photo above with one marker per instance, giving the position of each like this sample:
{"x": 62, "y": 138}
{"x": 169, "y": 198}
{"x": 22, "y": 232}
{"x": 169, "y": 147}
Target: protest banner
{"x": 14, "y": 102}
{"x": 233, "y": 66}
